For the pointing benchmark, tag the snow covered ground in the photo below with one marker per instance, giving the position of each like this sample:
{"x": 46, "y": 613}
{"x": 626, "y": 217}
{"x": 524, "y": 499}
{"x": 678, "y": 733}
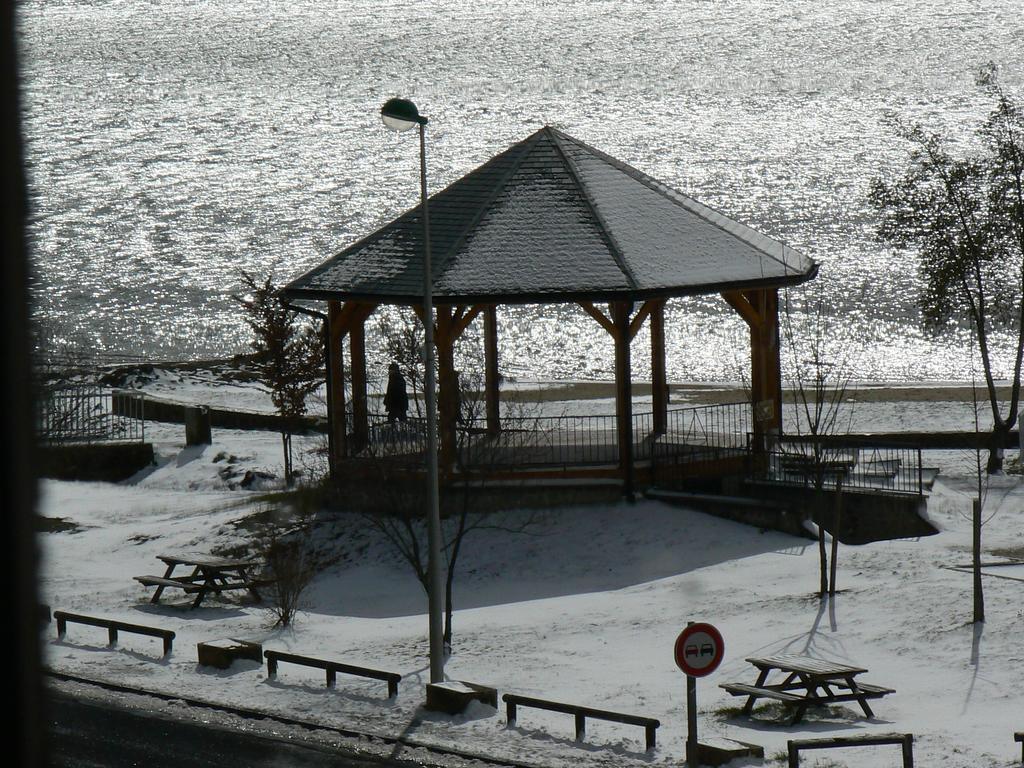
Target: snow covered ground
{"x": 584, "y": 609}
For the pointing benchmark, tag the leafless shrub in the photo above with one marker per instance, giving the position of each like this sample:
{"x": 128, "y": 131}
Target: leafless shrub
{"x": 286, "y": 545}
{"x": 820, "y": 374}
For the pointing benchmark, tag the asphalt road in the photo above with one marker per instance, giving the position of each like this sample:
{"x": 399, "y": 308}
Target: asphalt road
{"x": 84, "y": 734}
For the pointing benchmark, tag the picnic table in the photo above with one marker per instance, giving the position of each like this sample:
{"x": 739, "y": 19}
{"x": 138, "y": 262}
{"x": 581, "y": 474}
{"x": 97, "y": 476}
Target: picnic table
{"x": 806, "y": 681}
{"x": 208, "y": 574}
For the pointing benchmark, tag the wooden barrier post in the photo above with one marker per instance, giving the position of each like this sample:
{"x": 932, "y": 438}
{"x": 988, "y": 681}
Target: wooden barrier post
{"x": 692, "y": 760}
{"x": 580, "y": 715}
{"x": 112, "y": 626}
{"x": 904, "y": 740}
{"x": 331, "y": 669}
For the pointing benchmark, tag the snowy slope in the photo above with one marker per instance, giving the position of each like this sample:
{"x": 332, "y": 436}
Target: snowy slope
{"x": 585, "y": 609}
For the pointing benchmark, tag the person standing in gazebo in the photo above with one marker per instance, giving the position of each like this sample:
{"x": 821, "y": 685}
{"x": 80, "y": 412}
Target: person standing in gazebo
{"x": 396, "y": 399}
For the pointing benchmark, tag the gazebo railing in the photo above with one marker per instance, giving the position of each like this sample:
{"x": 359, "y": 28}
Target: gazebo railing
{"x": 695, "y": 440}
{"x": 538, "y": 441}
{"x": 726, "y": 425}
{"x": 702, "y": 441}
{"x": 569, "y": 440}
{"x": 396, "y": 439}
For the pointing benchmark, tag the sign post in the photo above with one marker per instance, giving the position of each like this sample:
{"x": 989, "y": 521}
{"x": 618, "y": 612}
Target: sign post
{"x": 692, "y": 760}
{"x": 698, "y": 651}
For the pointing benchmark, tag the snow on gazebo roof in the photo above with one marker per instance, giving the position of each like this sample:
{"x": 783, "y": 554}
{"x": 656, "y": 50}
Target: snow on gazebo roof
{"x": 552, "y": 219}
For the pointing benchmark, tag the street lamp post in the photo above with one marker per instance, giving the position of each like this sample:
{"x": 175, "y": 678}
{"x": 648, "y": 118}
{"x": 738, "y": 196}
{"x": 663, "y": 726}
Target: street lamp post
{"x": 400, "y": 115}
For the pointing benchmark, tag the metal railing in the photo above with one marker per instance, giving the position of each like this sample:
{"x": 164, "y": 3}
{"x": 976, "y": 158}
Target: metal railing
{"x": 695, "y": 441}
{"x": 396, "y": 439}
{"x": 712, "y": 426}
{"x": 540, "y": 441}
{"x": 860, "y": 465}
{"x": 85, "y": 414}
{"x": 563, "y": 441}
{"x": 701, "y": 442}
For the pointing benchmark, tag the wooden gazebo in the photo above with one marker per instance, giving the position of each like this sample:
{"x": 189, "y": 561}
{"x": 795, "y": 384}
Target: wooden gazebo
{"x": 553, "y": 220}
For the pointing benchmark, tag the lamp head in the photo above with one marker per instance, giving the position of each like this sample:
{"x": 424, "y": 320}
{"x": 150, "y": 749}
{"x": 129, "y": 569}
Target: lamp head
{"x": 400, "y": 115}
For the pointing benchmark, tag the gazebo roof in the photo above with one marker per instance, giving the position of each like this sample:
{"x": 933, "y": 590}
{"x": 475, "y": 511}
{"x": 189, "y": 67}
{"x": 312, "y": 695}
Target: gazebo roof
{"x": 552, "y": 219}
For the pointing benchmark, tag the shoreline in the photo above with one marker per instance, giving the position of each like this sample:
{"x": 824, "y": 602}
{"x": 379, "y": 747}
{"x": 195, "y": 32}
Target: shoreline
{"x": 711, "y": 393}
{"x": 238, "y": 370}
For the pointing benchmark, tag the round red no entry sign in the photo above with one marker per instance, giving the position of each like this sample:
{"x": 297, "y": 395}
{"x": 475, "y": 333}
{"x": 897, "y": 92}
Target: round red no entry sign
{"x": 699, "y": 649}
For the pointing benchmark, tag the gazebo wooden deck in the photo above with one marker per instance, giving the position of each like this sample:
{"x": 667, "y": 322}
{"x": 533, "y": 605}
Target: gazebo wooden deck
{"x": 553, "y": 220}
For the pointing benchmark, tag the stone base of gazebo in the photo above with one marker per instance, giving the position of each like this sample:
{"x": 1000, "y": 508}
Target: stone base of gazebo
{"x": 727, "y": 481}
{"x": 548, "y": 461}
{"x": 375, "y": 486}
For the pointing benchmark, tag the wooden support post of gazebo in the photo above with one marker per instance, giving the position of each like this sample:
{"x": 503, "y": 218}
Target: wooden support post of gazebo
{"x": 622, "y": 326}
{"x": 659, "y": 381}
{"x": 655, "y": 310}
{"x": 760, "y": 310}
{"x": 620, "y": 311}
{"x": 337, "y": 446}
{"x": 357, "y": 356}
{"x": 451, "y": 323}
{"x": 492, "y": 379}
{"x": 348, "y": 319}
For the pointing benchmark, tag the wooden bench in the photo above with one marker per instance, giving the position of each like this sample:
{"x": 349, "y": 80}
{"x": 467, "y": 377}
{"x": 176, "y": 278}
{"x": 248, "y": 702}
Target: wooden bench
{"x": 160, "y": 581}
{"x": 649, "y": 724}
{"x": 874, "y": 691}
{"x": 192, "y": 585}
{"x": 905, "y": 740}
{"x": 754, "y": 692}
{"x": 331, "y": 668}
{"x": 188, "y": 585}
{"x": 742, "y": 689}
{"x": 113, "y": 627}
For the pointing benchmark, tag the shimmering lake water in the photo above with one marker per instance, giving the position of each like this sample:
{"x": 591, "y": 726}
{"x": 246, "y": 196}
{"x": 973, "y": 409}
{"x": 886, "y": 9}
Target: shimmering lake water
{"x": 171, "y": 144}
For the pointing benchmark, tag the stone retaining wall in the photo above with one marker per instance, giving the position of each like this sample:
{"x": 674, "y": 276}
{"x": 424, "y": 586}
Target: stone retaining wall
{"x": 171, "y": 412}
{"x": 108, "y": 462}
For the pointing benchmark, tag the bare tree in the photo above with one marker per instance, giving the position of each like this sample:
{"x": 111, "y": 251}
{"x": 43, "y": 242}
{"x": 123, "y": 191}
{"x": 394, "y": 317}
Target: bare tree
{"x": 479, "y": 455}
{"x": 399, "y": 513}
{"x": 965, "y": 216}
{"x": 820, "y": 374}
{"x": 400, "y": 517}
{"x": 285, "y": 541}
